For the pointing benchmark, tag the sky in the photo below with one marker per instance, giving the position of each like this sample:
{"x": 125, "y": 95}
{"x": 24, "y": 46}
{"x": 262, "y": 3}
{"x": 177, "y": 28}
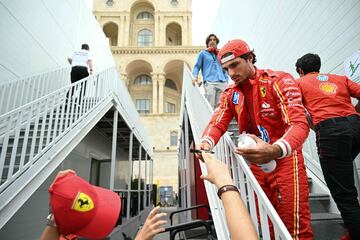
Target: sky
{"x": 203, "y": 16}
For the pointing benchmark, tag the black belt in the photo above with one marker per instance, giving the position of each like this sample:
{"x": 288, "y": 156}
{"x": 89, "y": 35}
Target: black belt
{"x": 331, "y": 121}
{"x": 78, "y": 66}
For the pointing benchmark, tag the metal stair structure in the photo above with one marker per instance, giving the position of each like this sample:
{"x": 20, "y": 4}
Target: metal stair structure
{"x": 36, "y": 137}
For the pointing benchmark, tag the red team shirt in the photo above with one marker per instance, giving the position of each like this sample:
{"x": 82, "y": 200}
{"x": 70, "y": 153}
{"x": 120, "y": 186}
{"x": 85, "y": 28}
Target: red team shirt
{"x": 328, "y": 95}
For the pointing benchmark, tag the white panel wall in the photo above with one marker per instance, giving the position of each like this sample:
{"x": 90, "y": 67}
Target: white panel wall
{"x": 281, "y": 31}
{"x": 38, "y": 36}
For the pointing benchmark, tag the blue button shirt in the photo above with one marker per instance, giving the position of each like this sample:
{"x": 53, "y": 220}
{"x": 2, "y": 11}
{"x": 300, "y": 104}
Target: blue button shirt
{"x": 210, "y": 67}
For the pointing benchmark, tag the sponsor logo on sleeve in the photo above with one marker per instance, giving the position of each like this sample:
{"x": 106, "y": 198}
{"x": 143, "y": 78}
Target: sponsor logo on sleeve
{"x": 235, "y": 98}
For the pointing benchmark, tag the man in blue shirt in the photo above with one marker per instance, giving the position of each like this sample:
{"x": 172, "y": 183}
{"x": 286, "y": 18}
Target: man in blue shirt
{"x": 214, "y": 77}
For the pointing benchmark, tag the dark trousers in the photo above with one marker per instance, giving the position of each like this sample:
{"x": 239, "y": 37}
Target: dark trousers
{"x": 338, "y": 142}
{"x": 78, "y": 73}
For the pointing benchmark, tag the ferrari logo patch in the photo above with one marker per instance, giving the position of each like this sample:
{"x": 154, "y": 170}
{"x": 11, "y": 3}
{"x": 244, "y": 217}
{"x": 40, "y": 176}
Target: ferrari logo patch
{"x": 82, "y": 203}
{"x": 263, "y": 91}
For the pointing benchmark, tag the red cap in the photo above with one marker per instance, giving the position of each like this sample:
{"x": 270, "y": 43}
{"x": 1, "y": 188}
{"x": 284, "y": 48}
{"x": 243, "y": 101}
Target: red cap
{"x": 237, "y": 47}
{"x": 83, "y": 209}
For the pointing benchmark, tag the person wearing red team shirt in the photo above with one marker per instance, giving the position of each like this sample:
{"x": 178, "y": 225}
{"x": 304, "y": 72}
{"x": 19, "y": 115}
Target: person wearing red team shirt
{"x": 267, "y": 104}
{"x": 327, "y": 98}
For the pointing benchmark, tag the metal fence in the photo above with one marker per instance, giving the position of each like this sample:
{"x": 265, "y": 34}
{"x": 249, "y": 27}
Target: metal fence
{"x": 17, "y": 93}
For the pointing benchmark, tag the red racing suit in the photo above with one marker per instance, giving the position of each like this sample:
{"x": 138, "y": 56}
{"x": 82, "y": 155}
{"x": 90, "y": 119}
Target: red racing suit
{"x": 269, "y": 106}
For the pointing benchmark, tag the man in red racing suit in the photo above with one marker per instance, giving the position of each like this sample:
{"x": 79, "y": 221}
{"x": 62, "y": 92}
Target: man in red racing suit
{"x": 267, "y": 104}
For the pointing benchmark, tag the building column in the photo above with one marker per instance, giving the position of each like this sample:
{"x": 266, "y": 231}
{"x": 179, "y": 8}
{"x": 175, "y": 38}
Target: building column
{"x": 184, "y": 32}
{"x": 156, "y": 30}
{"x": 126, "y": 39}
{"x": 154, "y": 80}
{"x": 161, "y": 92}
{"x": 162, "y": 34}
{"x": 120, "y": 28}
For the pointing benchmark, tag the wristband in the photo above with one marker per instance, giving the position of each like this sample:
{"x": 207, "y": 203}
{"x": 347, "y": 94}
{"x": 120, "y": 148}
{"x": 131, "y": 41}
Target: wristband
{"x": 50, "y": 221}
{"x": 226, "y": 188}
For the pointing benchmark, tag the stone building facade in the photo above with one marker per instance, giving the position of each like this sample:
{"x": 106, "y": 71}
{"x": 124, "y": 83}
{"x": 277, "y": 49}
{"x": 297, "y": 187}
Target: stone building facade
{"x": 151, "y": 40}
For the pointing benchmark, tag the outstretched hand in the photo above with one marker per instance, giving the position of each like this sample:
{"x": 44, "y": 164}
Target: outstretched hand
{"x": 218, "y": 172}
{"x": 152, "y": 226}
{"x": 263, "y": 152}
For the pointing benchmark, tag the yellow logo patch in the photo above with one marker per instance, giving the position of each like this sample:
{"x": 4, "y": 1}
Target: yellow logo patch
{"x": 82, "y": 203}
{"x": 263, "y": 91}
{"x": 328, "y": 88}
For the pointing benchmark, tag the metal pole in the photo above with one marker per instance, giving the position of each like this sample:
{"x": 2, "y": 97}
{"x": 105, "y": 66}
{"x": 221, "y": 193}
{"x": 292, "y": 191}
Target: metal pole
{"x": 130, "y": 175}
{"x": 187, "y": 155}
{"x": 145, "y": 178}
{"x": 113, "y": 151}
{"x": 150, "y": 179}
{"x": 139, "y": 179}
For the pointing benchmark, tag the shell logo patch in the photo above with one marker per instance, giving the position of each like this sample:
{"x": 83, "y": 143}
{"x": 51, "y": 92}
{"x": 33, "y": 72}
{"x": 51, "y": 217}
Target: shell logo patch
{"x": 263, "y": 91}
{"x": 82, "y": 203}
{"x": 328, "y": 88}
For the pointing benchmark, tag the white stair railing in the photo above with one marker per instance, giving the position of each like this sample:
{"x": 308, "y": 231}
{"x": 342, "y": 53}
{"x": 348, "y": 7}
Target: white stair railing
{"x": 26, "y": 133}
{"x": 198, "y": 112}
{"x": 14, "y": 94}
{"x": 36, "y": 138}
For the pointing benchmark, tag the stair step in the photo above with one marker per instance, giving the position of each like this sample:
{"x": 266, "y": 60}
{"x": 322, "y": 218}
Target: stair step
{"x": 319, "y": 196}
{"x": 319, "y": 202}
{"x": 325, "y": 217}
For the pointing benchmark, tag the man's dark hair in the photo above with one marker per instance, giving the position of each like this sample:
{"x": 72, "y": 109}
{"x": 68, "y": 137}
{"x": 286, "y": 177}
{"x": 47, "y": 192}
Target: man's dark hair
{"x": 246, "y": 56}
{"x": 310, "y": 62}
{"x": 208, "y": 39}
{"x": 85, "y": 46}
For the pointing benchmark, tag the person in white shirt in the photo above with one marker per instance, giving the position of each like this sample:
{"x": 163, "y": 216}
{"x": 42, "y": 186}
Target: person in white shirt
{"x": 82, "y": 66}
{"x": 81, "y": 63}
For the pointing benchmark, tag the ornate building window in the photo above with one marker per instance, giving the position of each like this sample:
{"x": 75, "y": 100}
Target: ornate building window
{"x": 111, "y": 32}
{"x": 143, "y": 105}
{"x": 169, "y": 107}
{"x": 170, "y": 84}
{"x": 173, "y": 34}
{"x": 145, "y": 16}
{"x": 142, "y": 80}
{"x": 144, "y": 38}
{"x": 174, "y": 2}
{"x": 110, "y": 3}
{"x": 173, "y": 138}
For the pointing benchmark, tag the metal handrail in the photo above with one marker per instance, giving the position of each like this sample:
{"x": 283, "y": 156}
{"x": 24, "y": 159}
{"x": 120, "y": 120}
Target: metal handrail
{"x": 199, "y": 112}
{"x": 26, "y": 133}
{"x": 189, "y": 209}
{"x": 14, "y": 94}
